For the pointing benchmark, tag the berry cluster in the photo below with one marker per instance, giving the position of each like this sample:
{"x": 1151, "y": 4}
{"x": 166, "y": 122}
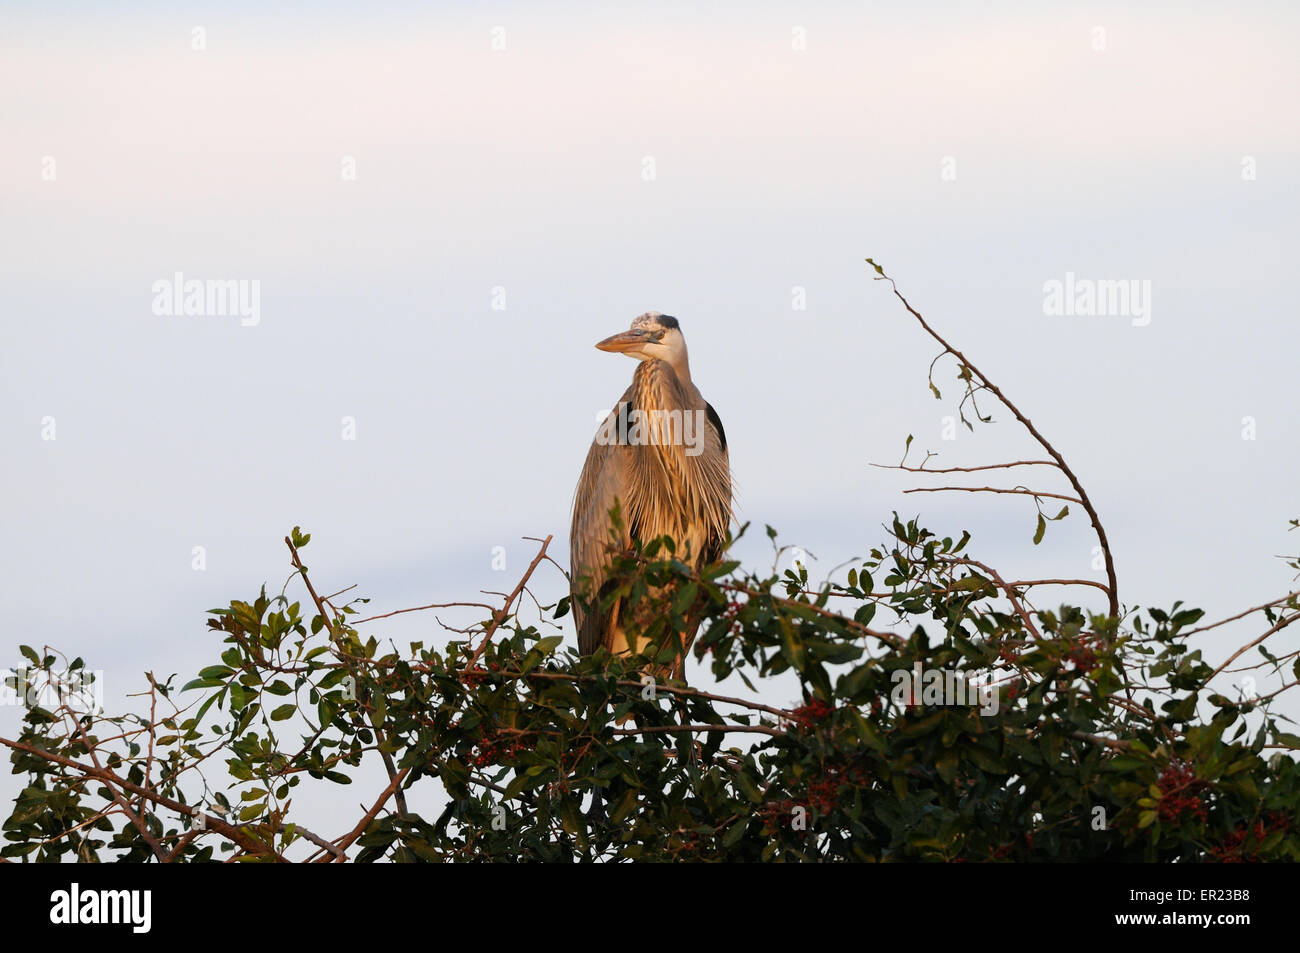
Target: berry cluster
{"x": 686, "y": 842}
{"x": 822, "y": 792}
{"x": 806, "y": 717}
{"x": 478, "y": 675}
{"x": 822, "y": 795}
{"x": 1082, "y": 657}
{"x": 1180, "y": 793}
{"x": 1232, "y": 850}
{"x": 774, "y": 813}
{"x": 491, "y": 750}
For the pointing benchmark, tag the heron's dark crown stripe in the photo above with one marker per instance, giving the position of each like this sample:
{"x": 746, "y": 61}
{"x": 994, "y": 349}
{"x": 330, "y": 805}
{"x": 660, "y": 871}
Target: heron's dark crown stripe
{"x": 668, "y": 321}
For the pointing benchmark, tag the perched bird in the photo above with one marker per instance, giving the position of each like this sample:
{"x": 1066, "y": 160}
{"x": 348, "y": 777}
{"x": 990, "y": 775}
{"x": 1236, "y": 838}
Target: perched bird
{"x": 661, "y": 453}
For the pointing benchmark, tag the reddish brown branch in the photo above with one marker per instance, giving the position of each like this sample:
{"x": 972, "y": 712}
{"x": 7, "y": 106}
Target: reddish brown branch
{"x": 504, "y": 612}
{"x": 435, "y": 605}
{"x": 662, "y": 729}
{"x": 1276, "y": 627}
{"x": 993, "y": 489}
{"x": 302, "y": 570}
{"x": 629, "y": 683}
{"x": 1026, "y": 583}
{"x": 346, "y": 841}
{"x": 1012, "y": 596}
{"x": 987, "y": 466}
{"x": 1233, "y": 618}
{"x": 1084, "y": 501}
{"x": 240, "y": 837}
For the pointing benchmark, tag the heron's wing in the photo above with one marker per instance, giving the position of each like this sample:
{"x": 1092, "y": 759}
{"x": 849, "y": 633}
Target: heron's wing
{"x": 603, "y": 481}
{"x": 716, "y": 464}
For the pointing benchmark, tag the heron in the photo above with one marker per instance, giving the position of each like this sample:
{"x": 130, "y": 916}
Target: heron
{"x": 661, "y": 456}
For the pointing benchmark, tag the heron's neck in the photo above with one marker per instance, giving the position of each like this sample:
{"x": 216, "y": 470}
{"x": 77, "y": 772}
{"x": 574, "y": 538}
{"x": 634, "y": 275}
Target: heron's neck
{"x": 681, "y": 366}
{"x": 654, "y": 388}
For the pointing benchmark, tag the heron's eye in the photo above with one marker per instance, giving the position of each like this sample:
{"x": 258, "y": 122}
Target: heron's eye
{"x": 657, "y": 336}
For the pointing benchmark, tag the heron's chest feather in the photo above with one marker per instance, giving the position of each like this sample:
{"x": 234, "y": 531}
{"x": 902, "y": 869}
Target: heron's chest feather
{"x": 677, "y": 476}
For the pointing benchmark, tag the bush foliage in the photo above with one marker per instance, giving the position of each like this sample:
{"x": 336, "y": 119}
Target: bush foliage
{"x": 969, "y": 726}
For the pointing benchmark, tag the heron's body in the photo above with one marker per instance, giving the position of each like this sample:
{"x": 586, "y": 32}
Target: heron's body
{"x": 667, "y": 468}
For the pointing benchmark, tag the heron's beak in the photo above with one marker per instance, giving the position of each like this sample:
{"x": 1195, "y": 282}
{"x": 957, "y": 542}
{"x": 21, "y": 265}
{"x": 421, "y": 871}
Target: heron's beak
{"x": 621, "y": 343}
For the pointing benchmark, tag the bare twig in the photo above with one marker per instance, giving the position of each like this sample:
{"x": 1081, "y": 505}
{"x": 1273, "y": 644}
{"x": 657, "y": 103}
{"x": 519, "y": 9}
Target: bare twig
{"x": 137, "y": 819}
{"x": 1012, "y": 596}
{"x": 1026, "y": 583}
{"x": 629, "y": 683}
{"x": 1276, "y": 627}
{"x": 346, "y": 841}
{"x": 1084, "y": 501}
{"x": 1115, "y": 743}
{"x": 661, "y": 729}
{"x": 302, "y": 571}
{"x": 988, "y": 466}
{"x": 993, "y": 489}
{"x": 384, "y": 756}
{"x": 112, "y": 780}
{"x": 435, "y": 605}
{"x": 1233, "y": 618}
{"x": 504, "y": 612}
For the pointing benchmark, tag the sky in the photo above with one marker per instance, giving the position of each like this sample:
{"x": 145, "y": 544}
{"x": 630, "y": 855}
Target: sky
{"x": 437, "y": 211}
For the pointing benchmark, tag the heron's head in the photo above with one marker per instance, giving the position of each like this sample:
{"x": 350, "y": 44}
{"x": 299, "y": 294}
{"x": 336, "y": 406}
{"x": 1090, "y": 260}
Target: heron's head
{"x": 653, "y": 336}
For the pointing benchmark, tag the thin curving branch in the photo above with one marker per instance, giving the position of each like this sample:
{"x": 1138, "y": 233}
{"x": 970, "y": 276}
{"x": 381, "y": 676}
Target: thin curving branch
{"x": 1084, "y": 501}
{"x": 994, "y": 489}
{"x": 987, "y": 466}
{"x": 504, "y": 612}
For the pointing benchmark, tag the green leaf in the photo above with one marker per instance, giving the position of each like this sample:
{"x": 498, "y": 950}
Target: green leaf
{"x": 791, "y": 645}
{"x": 866, "y": 731}
{"x": 735, "y": 832}
{"x": 1042, "y": 528}
{"x": 867, "y": 611}
{"x": 853, "y": 682}
{"x": 748, "y": 787}
{"x": 284, "y": 712}
{"x": 624, "y": 806}
{"x": 549, "y": 644}
{"x": 200, "y": 683}
{"x": 685, "y": 597}
{"x": 198, "y": 717}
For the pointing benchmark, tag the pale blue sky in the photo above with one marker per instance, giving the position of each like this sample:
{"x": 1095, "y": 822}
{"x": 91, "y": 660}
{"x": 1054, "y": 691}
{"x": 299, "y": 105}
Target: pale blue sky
{"x": 522, "y": 168}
